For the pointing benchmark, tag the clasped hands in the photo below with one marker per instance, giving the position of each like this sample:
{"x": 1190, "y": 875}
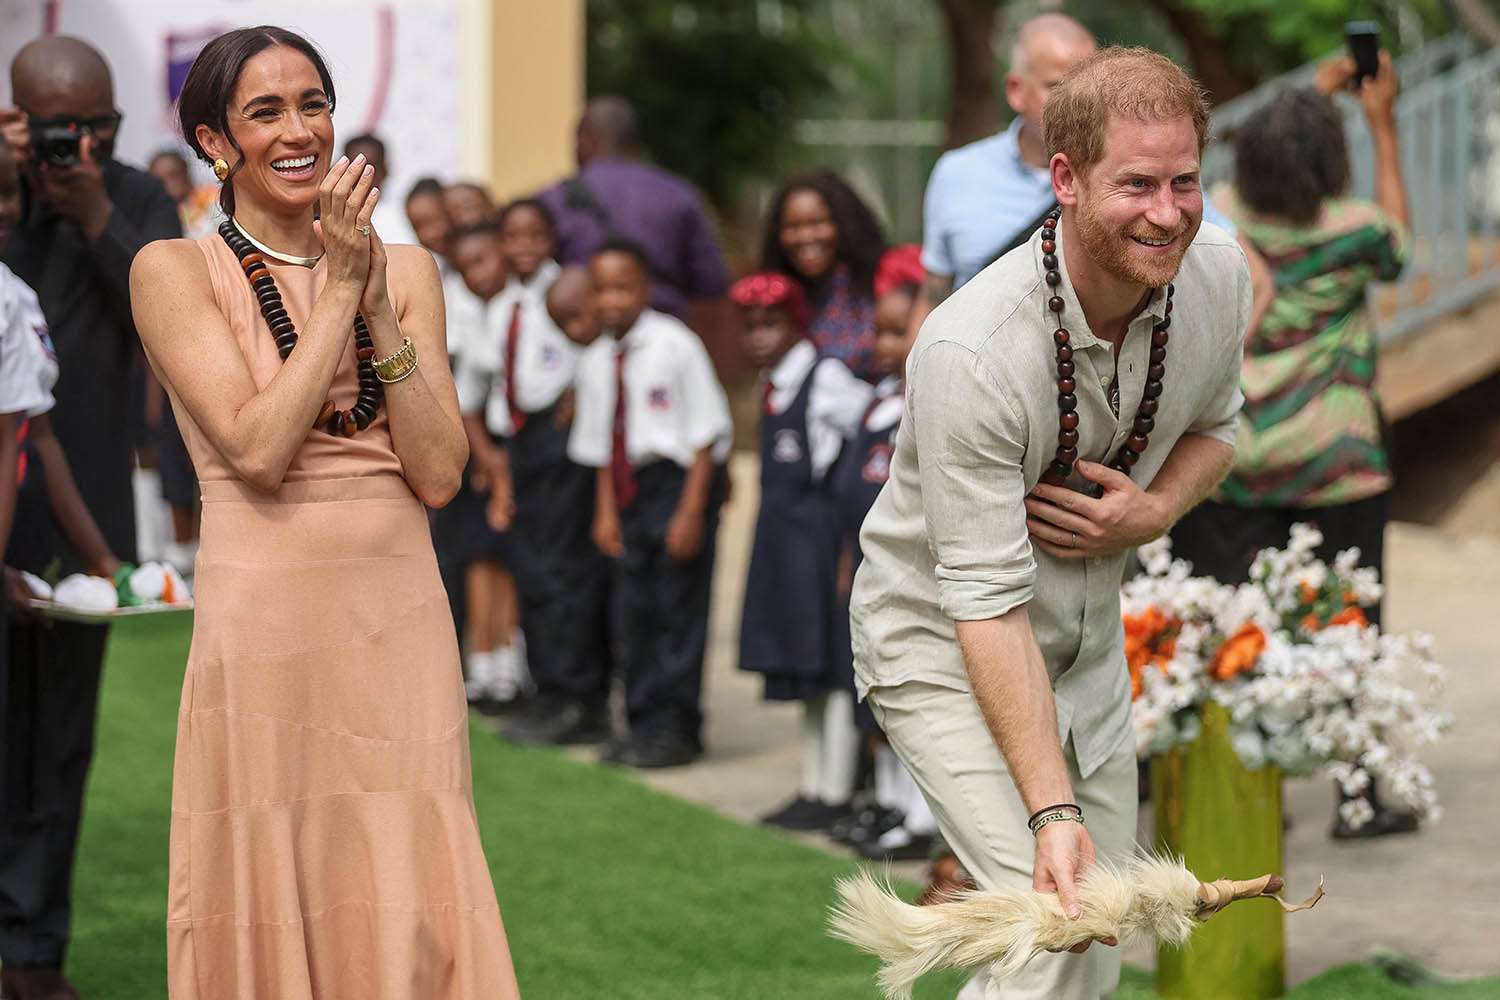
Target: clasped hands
{"x": 356, "y": 255}
{"x": 1067, "y": 524}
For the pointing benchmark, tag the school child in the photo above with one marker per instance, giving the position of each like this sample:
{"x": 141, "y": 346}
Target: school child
{"x": 469, "y": 530}
{"x": 897, "y": 825}
{"x": 521, "y": 393}
{"x": 653, "y": 421}
{"x": 789, "y": 630}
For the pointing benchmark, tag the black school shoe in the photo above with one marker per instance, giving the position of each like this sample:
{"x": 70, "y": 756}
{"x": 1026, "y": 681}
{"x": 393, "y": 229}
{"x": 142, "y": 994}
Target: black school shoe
{"x": 897, "y": 845}
{"x": 653, "y": 750}
{"x": 807, "y": 814}
{"x": 870, "y": 823}
{"x": 557, "y": 721}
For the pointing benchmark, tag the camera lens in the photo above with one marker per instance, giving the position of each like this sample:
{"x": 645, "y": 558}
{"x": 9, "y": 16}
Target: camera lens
{"x": 57, "y": 144}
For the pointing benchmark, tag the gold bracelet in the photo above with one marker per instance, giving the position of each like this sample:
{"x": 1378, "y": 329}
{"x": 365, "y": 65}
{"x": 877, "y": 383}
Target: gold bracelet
{"x": 398, "y": 365}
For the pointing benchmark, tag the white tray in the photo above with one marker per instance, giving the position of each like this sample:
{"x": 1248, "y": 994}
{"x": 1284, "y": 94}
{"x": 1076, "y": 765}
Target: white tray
{"x": 65, "y": 613}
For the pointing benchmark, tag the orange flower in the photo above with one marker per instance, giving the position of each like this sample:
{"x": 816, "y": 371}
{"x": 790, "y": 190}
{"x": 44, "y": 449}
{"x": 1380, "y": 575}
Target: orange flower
{"x": 1350, "y": 616}
{"x": 1239, "y": 652}
{"x": 1307, "y": 593}
{"x": 1150, "y": 637}
{"x": 1310, "y": 623}
{"x": 1349, "y": 599}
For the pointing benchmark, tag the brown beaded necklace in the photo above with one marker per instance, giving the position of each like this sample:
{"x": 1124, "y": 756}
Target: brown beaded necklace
{"x": 1067, "y": 403}
{"x": 330, "y": 417}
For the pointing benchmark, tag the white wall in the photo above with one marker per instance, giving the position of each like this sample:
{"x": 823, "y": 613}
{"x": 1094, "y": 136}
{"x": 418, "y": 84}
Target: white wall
{"x": 402, "y": 70}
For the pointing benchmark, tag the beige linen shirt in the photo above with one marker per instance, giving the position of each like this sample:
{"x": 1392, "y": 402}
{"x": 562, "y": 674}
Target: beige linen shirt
{"x": 946, "y": 540}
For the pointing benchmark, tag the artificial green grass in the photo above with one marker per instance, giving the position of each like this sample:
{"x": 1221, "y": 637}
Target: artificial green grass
{"x": 609, "y": 889}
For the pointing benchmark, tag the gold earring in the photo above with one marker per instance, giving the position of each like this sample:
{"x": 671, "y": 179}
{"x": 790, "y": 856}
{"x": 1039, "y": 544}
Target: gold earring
{"x": 221, "y": 169}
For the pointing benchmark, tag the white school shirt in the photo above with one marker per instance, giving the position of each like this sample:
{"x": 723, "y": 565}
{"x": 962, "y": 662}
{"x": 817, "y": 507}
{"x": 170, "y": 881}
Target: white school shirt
{"x": 546, "y": 360}
{"x": 462, "y": 313}
{"x": 835, "y": 403}
{"x": 674, "y": 404}
{"x": 28, "y": 362}
{"x": 890, "y": 406}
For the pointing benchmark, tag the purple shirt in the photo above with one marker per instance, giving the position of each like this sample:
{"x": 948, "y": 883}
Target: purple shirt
{"x": 655, "y": 209}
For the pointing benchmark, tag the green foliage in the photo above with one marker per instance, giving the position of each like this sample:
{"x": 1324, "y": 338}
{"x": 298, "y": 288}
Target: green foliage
{"x": 1264, "y": 38}
{"x": 716, "y": 82}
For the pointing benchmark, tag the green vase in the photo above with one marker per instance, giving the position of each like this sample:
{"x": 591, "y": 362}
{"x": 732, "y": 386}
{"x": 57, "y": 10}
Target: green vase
{"x": 1225, "y": 822}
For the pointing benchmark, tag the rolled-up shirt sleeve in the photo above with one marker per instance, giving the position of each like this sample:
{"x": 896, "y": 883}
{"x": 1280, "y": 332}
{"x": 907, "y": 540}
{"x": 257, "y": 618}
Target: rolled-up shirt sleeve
{"x": 1219, "y": 419}
{"x": 970, "y": 448}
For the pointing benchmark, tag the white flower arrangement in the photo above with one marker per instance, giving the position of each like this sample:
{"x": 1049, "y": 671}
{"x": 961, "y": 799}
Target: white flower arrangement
{"x": 1309, "y": 684}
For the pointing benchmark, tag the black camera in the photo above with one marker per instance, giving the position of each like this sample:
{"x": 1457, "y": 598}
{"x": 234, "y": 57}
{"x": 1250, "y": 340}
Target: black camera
{"x": 57, "y": 142}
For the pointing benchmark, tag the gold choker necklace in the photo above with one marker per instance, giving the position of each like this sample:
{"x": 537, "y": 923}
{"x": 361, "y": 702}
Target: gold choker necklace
{"x": 285, "y": 258}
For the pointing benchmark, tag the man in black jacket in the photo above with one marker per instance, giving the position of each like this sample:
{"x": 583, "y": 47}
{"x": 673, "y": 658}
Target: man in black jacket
{"x": 83, "y": 218}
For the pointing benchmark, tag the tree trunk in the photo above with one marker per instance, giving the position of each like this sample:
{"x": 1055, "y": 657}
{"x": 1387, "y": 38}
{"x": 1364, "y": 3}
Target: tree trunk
{"x": 973, "y": 109}
{"x": 1209, "y": 53}
{"x": 1477, "y": 19}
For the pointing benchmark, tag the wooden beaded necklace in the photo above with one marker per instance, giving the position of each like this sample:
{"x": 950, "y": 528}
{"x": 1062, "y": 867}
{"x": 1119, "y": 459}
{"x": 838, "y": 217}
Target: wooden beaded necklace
{"x": 1131, "y": 449}
{"x": 330, "y": 417}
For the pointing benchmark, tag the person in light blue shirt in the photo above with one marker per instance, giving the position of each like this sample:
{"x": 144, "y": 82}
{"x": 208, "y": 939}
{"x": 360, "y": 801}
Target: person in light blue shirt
{"x": 987, "y": 196}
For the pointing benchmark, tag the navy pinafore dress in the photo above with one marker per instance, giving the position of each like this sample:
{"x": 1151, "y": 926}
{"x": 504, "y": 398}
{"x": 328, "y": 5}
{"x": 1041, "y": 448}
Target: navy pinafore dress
{"x": 789, "y": 630}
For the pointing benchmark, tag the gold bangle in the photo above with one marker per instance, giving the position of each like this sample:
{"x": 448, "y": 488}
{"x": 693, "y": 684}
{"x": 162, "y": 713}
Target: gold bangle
{"x": 398, "y": 365}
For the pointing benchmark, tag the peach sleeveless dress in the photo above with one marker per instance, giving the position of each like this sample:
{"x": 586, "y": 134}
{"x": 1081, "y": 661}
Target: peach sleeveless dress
{"x": 324, "y": 843}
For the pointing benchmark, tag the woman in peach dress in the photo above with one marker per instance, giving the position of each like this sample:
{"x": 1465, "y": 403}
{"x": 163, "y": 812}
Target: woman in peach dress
{"x": 324, "y": 842}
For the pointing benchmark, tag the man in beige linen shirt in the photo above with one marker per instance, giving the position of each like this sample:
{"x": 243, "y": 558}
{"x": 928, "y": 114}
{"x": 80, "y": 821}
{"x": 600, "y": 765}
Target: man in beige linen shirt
{"x": 986, "y": 613}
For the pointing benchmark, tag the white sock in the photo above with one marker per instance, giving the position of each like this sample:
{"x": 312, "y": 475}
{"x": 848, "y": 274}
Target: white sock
{"x": 505, "y": 682}
{"x": 840, "y": 748}
{"x": 479, "y": 673}
{"x": 888, "y": 778}
{"x": 812, "y": 748}
{"x": 919, "y": 820}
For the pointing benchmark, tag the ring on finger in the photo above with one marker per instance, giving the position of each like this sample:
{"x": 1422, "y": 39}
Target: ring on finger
{"x": 362, "y": 230}
{"x": 1073, "y": 535}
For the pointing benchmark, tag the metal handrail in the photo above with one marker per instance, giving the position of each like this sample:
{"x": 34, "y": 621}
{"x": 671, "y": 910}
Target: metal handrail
{"x": 1448, "y": 126}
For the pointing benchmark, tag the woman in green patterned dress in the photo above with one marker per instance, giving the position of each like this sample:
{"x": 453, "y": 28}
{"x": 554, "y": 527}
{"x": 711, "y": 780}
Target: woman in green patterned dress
{"x": 1311, "y": 444}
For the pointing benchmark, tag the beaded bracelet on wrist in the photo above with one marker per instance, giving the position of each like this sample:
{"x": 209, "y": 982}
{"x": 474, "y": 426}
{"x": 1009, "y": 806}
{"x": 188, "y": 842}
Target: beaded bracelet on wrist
{"x": 1060, "y": 816}
{"x": 1061, "y": 805}
{"x": 330, "y": 417}
{"x": 1131, "y": 449}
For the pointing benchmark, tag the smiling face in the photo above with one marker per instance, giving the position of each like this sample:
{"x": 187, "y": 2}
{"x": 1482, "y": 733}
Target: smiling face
{"x": 429, "y": 221}
{"x": 527, "y": 240}
{"x": 481, "y": 263}
{"x": 621, "y": 290}
{"x": 1140, "y": 206}
{"x": 280, "y": 117}
{"x": 809, "y": 236}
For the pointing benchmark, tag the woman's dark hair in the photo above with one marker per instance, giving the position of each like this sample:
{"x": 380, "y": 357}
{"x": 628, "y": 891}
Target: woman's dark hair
{"x": 860, "y": 241}
{"x": 1290, "y": 156}
{"x": 534, "y": 204}
{"x": 211, "y": 81}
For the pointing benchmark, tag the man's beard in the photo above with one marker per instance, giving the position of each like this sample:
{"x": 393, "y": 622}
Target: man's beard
{"x": 1120, "y": 256}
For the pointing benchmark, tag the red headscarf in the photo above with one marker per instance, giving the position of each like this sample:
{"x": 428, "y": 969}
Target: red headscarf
{"x": 899, "y": 267}
{"x": 772, "y": 288}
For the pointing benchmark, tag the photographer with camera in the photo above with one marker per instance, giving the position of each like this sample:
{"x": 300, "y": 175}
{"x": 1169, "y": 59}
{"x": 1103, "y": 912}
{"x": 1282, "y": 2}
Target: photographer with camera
{"x": 83, "y": 216}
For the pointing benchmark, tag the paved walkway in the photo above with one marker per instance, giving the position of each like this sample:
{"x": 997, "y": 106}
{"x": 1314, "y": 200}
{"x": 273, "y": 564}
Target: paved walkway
{"x": 1434, "y": 896}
